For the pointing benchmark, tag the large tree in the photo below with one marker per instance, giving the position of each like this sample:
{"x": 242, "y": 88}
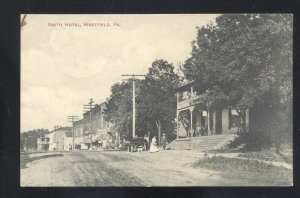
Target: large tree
{"x": 245, "y": 61}
{"x": 158, "y": 98}
{"x": 119, "y": 108}
{"x": 155, "y": 103}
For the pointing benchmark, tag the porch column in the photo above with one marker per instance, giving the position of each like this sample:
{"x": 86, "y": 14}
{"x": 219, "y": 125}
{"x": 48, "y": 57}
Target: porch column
{"x": 208, "y": 121}
{"x": 192, "y": 91}
{"x": 191, "y": 129}
{"x": 208, "y": 107}
{"x": 177, "y": 123}
{"x": 191, "y": 110}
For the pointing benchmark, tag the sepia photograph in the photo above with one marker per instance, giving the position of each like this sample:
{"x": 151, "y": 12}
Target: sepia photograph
{"x": 146, "y": 100}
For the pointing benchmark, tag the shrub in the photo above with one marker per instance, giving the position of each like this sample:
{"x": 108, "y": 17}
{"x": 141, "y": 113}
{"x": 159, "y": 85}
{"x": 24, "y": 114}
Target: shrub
{"x": 252, "y": 171}
{"x": 252, "y": 141}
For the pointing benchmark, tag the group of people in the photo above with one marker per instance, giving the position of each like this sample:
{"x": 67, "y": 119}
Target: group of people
{"x": 153, "y": 144}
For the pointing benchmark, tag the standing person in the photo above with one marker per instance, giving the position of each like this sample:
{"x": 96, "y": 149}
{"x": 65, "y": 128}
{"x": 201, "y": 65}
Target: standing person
{"x": 147, "y": 139}
{"x": 104, "y": 144}
{"x": 153, "y": 147}
{"x": 164, "y": 141}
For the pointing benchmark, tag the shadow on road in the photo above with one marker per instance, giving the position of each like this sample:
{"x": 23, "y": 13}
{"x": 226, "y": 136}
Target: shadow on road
{"x": 25, "y": 159}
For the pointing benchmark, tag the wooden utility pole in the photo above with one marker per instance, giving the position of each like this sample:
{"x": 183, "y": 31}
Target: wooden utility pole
{"x": 88, "y": 108}
{"x": 133, "y": 100}
{"x": 72, "y": 119}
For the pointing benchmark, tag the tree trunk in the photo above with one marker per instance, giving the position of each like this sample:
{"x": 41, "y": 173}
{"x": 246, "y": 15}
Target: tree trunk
{"x": 158, "y": 125}
{"x": 148, "y": 128}
{"x": 244, "y": 121}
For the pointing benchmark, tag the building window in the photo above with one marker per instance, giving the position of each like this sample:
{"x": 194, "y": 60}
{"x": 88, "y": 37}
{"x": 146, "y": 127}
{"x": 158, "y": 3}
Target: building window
{"x": 234, "y": 118}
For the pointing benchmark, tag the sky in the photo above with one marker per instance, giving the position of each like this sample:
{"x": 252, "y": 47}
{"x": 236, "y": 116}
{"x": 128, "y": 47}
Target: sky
{"x": 65, "y": 63}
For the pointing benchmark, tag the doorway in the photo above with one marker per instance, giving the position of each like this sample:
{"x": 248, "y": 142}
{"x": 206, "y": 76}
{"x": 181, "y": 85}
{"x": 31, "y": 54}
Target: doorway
{"x": 219, "y": 121}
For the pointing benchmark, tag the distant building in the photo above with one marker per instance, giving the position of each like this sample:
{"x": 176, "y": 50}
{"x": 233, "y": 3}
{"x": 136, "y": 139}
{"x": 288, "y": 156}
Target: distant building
{"x": 52, "y": 142}
{"x": 43, "y": 144}
{"x": 93, "y": 127}
{"x": 62, "y": 136}
{"x": 60, "y": 139}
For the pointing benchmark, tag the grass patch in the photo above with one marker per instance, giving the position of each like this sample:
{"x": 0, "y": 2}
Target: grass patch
{"x": 269, "y": 155}
{"x": 247, "y": 170}
{"x": 25, "y": 159}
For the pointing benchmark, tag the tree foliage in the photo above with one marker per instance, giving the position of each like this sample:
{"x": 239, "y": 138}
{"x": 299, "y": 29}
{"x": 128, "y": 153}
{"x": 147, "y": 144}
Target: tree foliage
{"x": 155, "y": 103}
{"x": 158, "y": 97}
{"x": 28, "y": 139}
{"x": 245, "y": 61}
{"x": 119, "y": 108}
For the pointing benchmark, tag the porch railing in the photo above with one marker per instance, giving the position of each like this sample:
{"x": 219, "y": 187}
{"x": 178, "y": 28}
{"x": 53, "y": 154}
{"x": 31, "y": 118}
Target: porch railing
{"x": 197, "y": 99}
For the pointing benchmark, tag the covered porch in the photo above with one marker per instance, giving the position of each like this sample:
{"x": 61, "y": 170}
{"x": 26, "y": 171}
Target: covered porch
{"x": 198, "y": 116}
{"x": 202, "y": 124}
{"x": 195, "y": 116}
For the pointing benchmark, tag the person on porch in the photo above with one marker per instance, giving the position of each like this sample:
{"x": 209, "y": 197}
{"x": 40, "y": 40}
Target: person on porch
{"x": 191, "y": 133}
{"x": 206, "y": 129}
{"x": 198, "y": 132}
{"x": 202, "y": 131}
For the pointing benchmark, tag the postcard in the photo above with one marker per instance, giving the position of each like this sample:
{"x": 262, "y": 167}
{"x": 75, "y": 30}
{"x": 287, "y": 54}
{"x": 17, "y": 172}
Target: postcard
{"x": 156, "y": 100}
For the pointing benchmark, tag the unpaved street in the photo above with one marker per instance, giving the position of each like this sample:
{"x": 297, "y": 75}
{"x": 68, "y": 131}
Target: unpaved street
{"x": 119, "y": 168}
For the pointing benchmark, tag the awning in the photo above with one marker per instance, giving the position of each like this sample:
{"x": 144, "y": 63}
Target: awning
{"x": 86, "y": 139}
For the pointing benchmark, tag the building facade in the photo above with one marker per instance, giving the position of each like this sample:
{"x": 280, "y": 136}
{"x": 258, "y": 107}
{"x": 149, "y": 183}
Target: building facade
{"x": 93, "y": 127}
{"x": 204, "y": 118}
{"x": 61, "y": 136}
{"x": 202, "y": 124}
{"x": 43, "y": 144}
{"x": 60, "y": 139}
{"x": 52, "y": 142}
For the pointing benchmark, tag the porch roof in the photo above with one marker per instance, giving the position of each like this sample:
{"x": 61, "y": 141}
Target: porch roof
{"x": 187, "y": 86}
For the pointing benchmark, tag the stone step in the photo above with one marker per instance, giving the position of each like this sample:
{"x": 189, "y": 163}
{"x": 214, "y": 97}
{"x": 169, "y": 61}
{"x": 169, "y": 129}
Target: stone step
{"x": 206, "y": 141}
{"x": 204, "y": 146}
{"x": 202, "y": 143}
{"x": 203, "y": 138}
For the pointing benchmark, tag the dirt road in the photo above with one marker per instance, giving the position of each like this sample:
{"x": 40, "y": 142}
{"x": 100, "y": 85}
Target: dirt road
{"x": 119, "y": 168}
